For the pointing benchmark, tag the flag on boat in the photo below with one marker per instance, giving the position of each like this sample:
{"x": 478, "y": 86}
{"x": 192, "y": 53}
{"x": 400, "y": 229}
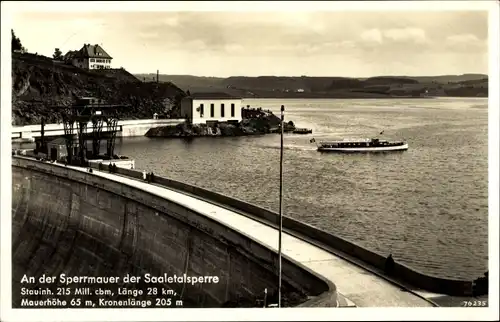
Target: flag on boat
{"x": 312, "y": 140}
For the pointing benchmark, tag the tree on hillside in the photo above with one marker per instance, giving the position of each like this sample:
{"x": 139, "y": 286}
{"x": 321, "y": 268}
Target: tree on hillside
{"x": 16, "y": 43}
{"x": 57, "y": 54}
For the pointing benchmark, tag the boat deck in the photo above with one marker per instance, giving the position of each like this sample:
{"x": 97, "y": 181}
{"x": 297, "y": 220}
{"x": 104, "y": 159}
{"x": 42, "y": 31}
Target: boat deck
{"x": 354, "y": 283}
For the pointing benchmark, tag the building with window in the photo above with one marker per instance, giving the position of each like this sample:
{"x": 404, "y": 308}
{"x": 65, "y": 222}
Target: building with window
{"x": 58, "y": 151}
{"x": 89, "y": 57}
{"x": 211, "y": 107}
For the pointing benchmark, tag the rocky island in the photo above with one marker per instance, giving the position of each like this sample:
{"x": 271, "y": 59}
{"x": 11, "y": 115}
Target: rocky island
{"x": 254, "y": 122}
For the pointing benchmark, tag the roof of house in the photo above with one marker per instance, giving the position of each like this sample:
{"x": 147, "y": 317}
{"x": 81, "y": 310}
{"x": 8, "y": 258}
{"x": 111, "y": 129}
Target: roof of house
{"x": 70, "y": 54}
{"x": 212, "y": 95}
{"x": 90, "y": 51}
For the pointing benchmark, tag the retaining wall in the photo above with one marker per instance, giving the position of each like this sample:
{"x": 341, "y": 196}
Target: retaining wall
{"x": 399, "y": 272}
{"x": 65, "y": 220}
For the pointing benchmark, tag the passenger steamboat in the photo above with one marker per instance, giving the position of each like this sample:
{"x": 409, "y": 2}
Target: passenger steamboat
{"x": 302, "y": 131}
{"x": 361, "y": 145}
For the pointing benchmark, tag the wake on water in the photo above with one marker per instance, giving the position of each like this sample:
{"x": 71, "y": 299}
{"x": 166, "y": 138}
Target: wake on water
{"x": 291, "y": 147}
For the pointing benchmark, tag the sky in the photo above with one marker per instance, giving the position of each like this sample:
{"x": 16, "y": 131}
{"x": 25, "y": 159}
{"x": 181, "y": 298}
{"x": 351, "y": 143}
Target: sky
{"x": 280, "y": 43}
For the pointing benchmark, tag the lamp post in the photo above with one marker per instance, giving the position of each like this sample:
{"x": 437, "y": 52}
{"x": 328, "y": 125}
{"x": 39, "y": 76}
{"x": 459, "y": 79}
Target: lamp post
{"x": 281, "y": 205}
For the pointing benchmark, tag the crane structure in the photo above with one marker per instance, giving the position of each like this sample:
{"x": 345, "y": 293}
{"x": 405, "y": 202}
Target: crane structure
{"x": 97, "y": 123}
{"x": 69, "y": 135}
{"x": 41, "y": 145}
{"x": 113, "y": 124}
{"x": 87, "y": 111}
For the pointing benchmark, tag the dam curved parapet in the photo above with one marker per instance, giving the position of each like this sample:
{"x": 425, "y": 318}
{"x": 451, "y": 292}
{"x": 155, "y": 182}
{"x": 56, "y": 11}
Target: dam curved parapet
{"x": 66, "y": 220}
{"x": 353, "y": 275}
{"x": 370, "y": 260}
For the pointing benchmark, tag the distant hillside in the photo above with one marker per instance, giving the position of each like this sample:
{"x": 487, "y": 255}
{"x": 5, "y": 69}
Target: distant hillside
{"x": 445, "y": 79}
{"x": 467, "y": 85}
{"x": 39, "y": 83}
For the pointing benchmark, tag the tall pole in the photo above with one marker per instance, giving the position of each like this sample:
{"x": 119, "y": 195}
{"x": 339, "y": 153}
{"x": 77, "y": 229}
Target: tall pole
{"x": 42, "y": 132}
{"x": 281, "y": 204}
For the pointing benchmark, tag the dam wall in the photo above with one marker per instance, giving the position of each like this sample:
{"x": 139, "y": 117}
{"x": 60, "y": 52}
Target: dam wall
{"x": 80, "y": 224}
{"x": 141, "y": 127}
{"x": 370, "y": 260}
{"x": 126, "y": 128}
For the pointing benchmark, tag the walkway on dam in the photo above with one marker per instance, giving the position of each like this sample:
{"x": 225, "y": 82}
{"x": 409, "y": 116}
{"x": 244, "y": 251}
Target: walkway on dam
{"x": 354, "y": 283}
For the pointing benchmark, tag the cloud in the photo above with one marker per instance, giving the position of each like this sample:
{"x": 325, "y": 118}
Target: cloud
{"x": 234, "y": 48}
{"x": 346, "y": 44}
{"x": 466, "y": 42}
{"x": 171, "y": 21}
{"x": 375, "y": 35}
{"x": 462, "y": 39}
{"x": 406, "y": 34}
{"x": 325, "y": 48}
{"x": 292, "y": 32}
{"x": 372, "y": 35}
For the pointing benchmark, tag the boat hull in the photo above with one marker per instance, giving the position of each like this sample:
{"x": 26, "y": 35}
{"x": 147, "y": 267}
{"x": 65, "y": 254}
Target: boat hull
{"x": 366, "y": 149}
{"x": 302, "y": 131}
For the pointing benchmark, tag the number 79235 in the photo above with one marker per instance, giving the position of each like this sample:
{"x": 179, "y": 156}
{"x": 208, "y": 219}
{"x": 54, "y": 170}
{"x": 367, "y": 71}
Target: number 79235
{"x": 475, "y": 303}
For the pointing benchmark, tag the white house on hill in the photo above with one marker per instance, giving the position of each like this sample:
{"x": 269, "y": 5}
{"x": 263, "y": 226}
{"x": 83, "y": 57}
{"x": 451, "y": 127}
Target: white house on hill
{"x": 211, "y": 107}
{"x": 89, "y": 57}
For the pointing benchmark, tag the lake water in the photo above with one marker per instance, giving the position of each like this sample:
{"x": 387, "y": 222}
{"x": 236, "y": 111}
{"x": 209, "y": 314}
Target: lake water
{"x": 428, "y": 206}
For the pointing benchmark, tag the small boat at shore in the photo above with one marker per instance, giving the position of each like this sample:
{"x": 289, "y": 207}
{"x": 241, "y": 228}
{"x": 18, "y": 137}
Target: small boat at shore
{"x": 361, "y": 145}
{"x": 302, "y": 131}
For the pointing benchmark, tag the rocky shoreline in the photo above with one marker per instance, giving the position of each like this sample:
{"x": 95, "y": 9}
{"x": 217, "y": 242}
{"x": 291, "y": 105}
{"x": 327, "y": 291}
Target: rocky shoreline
{"x": 254, "y": 122}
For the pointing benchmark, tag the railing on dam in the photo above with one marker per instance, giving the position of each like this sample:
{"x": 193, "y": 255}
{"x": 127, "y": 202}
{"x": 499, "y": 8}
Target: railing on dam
{"x": 397, "y": 271}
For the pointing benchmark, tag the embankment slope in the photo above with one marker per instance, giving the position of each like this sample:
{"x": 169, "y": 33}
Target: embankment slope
{"x": 40, "y": 84}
